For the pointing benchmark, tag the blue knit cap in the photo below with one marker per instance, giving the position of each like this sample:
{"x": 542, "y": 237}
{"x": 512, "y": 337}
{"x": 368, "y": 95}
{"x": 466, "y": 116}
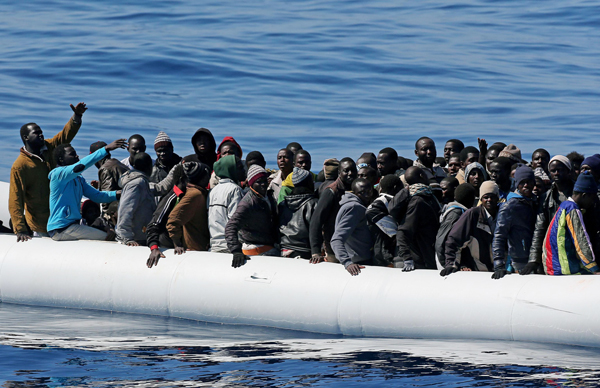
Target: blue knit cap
{"x": 586, "y": 183}
{"x": 523, "y": 173}
{"x": 593, "y": 162}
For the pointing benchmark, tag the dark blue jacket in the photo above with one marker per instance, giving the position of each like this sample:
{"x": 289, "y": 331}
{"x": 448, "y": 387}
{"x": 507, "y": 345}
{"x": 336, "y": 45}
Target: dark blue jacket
{"x": 514, "y": 229}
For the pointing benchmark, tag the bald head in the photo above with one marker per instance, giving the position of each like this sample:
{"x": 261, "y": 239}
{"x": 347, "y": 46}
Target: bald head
{"x": 415, "y": 175}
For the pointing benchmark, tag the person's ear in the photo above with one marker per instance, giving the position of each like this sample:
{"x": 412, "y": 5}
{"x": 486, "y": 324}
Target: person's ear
{"x": 417, "y": 153}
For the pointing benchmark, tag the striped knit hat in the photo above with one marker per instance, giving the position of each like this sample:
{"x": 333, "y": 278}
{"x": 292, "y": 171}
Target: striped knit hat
{"x": 298, "y": 175}
{"x": 162, "y": 140}
{"x": 255, "y": 172}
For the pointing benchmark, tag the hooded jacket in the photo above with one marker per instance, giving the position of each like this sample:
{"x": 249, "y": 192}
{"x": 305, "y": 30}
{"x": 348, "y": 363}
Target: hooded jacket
{"x": 447, "y": 220}
{"x": 67, "y": 188}
{"x": 209, "y": 157}
{"x": 135, "y": 207}
{"x": 514, "y": 227}
{"x": 223, "y": 201}
{"x": 322, "y": 224}
{"x": 417, "y": 231}
{"x": 383, "y": 228}
{"x": 29, "y": 194}
{"x": 254, "y": 221}
{"x": 188, "y": 222}
{"x": 352, "y": 241}
{"x": 295, "y": 212}
{"x": 469, "y": 243}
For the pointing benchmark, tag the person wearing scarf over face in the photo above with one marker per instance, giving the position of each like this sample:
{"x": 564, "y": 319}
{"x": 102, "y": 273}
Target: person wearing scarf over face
{"x": 252, "y": 230}
{"x": 418, "y": 228}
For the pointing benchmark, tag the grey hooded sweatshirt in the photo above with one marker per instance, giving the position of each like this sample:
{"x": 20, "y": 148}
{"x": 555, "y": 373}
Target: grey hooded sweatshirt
{"x": 352, "y": 241}
{"x": 135, "y": 207}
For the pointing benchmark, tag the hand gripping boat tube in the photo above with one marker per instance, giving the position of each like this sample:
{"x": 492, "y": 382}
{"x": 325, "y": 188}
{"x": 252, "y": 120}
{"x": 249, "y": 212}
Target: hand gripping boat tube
{"x": 294, "y": 294}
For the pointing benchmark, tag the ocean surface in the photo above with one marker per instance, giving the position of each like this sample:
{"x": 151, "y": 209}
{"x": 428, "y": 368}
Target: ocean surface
{"x": 341, "y": 77}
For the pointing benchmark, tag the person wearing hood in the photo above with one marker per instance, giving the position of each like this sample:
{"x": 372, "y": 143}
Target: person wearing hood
{"x": 109, "y": 171}
{"x": 224, "y": 199}
{"x": 295, "y": 212}
{"x": 227, "y": 147}
{"x": 29, "y": 193}
{"x": 464, "y": 198}
{"x": 352, "y": 242}
{"x": 469, "y": 243}
{"x": 67, "y": 187}
{"x": 419, "y": 226}
{"x": 137, "y": 202}
{"x": 285, "y": 162}
{"x": 166, "y": 158}
{"x": 515, "y": 225}
{"x": 322, "y": 224}
{"x": 475, "y": 175}
{"x": 382, "y": 225}
{"x": 253, "y": 228}
{"x": 188, "y": 222}
{"x": 567, "y": 247}
{"x": 560, "y": 191}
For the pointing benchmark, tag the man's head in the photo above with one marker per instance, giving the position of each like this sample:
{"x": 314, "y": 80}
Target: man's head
{"x": 136, "y": 144}
{"x": 465, "y": 195}
{"x": 576, "y": 160}
{"x": 230, "y": 148}
{"x": 454, "y": 164}
{"x": 387, "y": 161}
{"x": 95, "y": 147}
{"x": 347, "y": 172}
{"x": 294, "y": 147}
{"x": 500, "y": 170}
{"x": 525, "y": 179}
{"x": 585, "y": 192}
{"x": 390, "y": 184}
{"x": 474, "y": 174}
{"x": 255, "y": 157}
{"x": 203, "y": 141}
{"x": 369, "y": 174}
{"x": 492, "y": 154}
{"x": 448, "y": 185}
{"x": 453, "y": 146}
{"x": 403, "y": 163}
{"x": 65, "y": 155}
{"x": 425, "y": 151}
{"x": 363, "y": 189}
{"x": 468, "y": 155}
{"x": 163, "y": 146}
{"x": 592, "y": 164}
{"x": 196, "y": 173}
{"x": 559, "y": 170}
{"x": 285, "y": 162}
{"x": 303, "y": 160}
{"x": 540, "y": 158}
{"x": 142, "y": 162}
{"x": 367, "y": 159}
{"x": 258, "y": 179}
{"x": 414, "y": 175}
{"x": 489, "y": 194}
{"x": 32, "y": 136}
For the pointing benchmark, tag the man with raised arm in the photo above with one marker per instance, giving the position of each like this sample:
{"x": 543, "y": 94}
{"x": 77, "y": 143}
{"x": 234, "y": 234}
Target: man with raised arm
{"x": 67, "y": 187}
{"x": 29, "y": 185}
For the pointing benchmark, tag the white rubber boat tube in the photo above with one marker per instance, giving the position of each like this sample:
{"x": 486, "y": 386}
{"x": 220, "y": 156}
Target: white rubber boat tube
{"x": 293, "y": 294}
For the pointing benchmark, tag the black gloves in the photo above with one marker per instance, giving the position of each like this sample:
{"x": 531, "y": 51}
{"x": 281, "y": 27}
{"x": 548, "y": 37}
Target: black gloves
{"x": 499, "y": 273}
{"x": 239, "y": 259}
{"x": 448, "y": 270}
{"x": 529, "y": 268}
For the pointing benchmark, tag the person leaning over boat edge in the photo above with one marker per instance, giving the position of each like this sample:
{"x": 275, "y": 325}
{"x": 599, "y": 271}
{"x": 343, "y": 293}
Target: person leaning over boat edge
{"x": 29, "y": 194}
{"x": 67, "y": 187}
{"x": 254, "y": 221}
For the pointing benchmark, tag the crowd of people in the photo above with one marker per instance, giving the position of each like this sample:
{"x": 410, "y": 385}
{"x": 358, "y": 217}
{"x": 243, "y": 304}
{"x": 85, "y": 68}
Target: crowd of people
{"x": 476, "y": 208}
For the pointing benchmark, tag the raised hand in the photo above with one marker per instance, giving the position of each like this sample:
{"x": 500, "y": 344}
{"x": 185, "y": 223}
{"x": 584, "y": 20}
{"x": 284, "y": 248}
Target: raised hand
{"x": 119, "y": 143}
{"x": 79, "y": 109}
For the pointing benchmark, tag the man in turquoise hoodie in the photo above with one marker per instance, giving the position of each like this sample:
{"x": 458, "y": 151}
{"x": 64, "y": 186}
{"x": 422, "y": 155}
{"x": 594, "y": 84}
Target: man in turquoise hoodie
{"x": 67, "y": 187}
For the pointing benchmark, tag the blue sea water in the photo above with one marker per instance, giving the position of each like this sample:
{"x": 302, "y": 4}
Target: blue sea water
{"x": 342, "y": 77}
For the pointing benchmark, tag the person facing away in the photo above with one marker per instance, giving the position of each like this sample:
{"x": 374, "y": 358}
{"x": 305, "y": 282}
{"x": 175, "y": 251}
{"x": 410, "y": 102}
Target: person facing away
{"x": 367, "y": 159}
{"x": 560, "y": 191}
{"x": 464, "y": 198}
{"x": 330, "y": 173}
{"x": 295, "y": 212}
{"x": 224, "y": 199}
{"x": 515, "y": 225}
{"x": 135, "y": 145}
{"x": 352, "y": 242}
{"x": 322, "y": 224}
{"x": 294, "y": 147}
{"x": 137, "y": 202}
{"x": 567, "y": 246}
{"x": 418, "y": 228}
{"x": 382, "y": 225}
{"x": 166, "y": 158}
{"x": 576, "y": 160}
{"x": 188, "y": 222}
{"x": 109, "y": 171}
{"x": 252, "y": 230}
{"x": 29, "y": 193}
{"x": 469, "y": 243}
{"x": 67, "y": 187}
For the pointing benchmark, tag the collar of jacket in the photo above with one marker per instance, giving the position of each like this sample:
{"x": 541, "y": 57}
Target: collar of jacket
{"x": 27, "y": 153}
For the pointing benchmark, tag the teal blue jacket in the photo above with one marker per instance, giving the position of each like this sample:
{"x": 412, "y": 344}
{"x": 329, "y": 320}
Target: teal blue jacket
{"x": 68, "y": 187}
